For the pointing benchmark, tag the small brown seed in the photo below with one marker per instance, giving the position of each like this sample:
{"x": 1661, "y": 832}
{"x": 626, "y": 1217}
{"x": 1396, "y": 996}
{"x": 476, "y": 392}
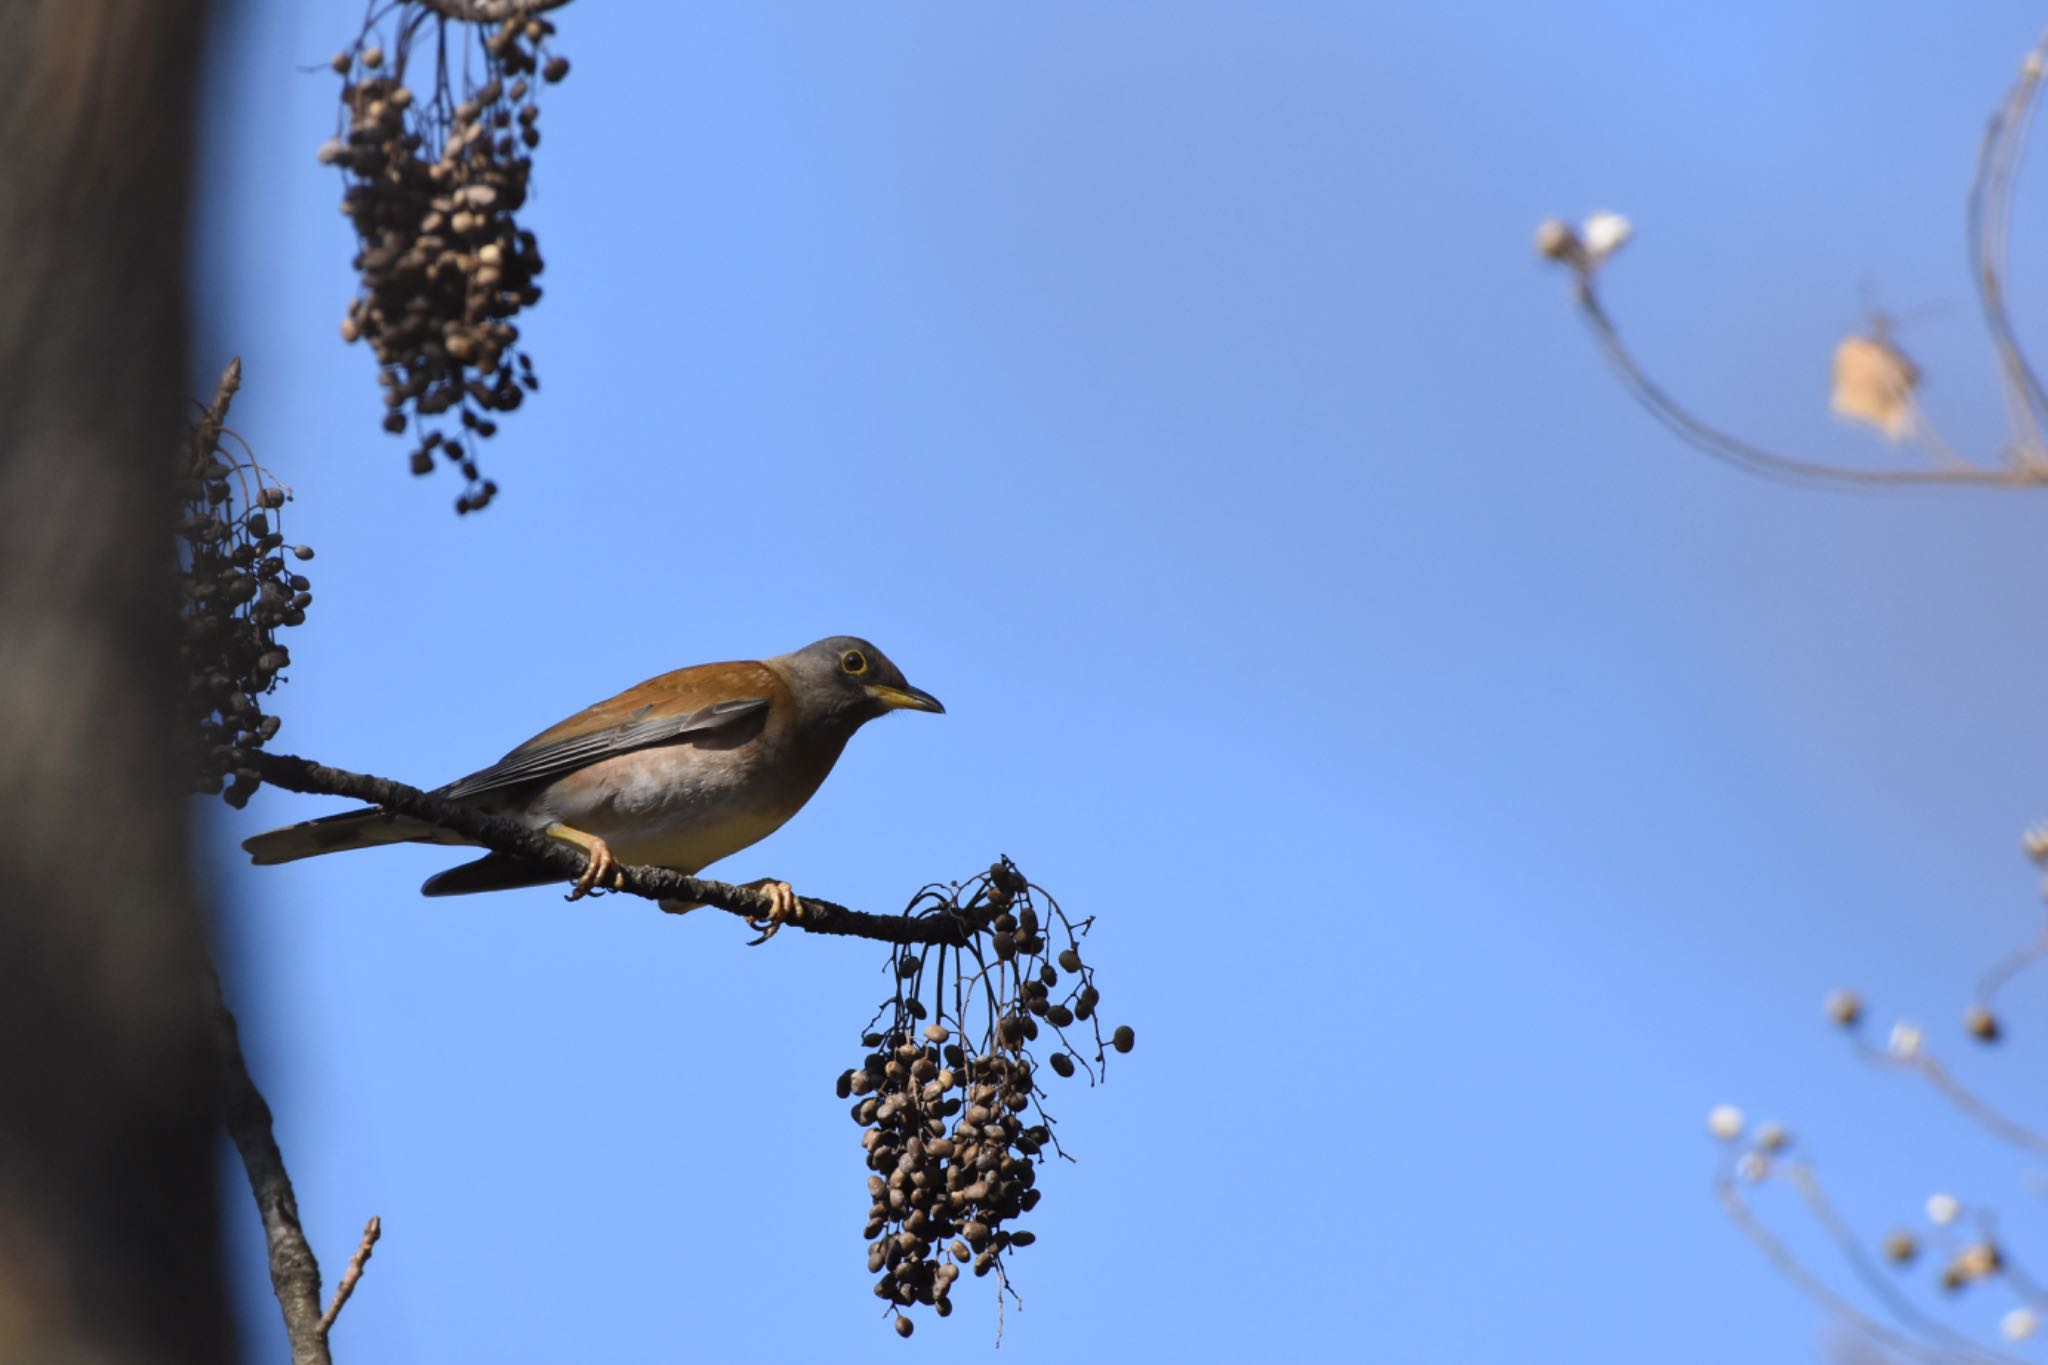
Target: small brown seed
{"x": 1982, "y": 1024}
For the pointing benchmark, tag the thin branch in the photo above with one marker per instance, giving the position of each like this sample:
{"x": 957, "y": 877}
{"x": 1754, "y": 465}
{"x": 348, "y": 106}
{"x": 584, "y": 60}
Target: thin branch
{"x": 2011, "y": 965}
{"x": 1963, "y": 1098}
{"x": 1966, "y": 1100}
{"x": 1990, "y": 218}
{"x": 1704, "y": 436}
{"x": 1801, "y": 1176}
{"x": 294, "y": 1273}
{"x": 503, "y": 835}
{"x": 490, "y": 11}
{"x": 371, "y": 1232}
{"x": 213, "y": 419}
{"x": 1795, "y": 1272}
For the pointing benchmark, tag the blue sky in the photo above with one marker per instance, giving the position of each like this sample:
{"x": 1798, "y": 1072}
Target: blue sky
{"x": 1472, "y": 786}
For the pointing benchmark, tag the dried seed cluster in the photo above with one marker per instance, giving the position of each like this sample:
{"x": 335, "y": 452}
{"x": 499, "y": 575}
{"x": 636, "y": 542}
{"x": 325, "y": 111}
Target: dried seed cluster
{"x": 948, "y": 1094}
{"x": 434, "y": 186}
{"x": 237, "y": 590}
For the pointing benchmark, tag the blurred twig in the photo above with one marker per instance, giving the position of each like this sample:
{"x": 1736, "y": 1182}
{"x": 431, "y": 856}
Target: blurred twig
{"x": 1990, "y": 216}
{"x": 1934, "y": 1343}
{"x": 2025, "y": 464}
{"x": 1965, "y": 1100}
{"x": 1703, "y": 435}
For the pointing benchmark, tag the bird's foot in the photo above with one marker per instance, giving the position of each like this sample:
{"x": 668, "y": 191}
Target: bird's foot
{"x": 781, "y": 910}
{"x": 602, "y": 868}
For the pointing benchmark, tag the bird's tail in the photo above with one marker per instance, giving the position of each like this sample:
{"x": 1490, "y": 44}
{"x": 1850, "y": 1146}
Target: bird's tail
{"x": 365, "y": 828}
{"x": 492, "y": 872}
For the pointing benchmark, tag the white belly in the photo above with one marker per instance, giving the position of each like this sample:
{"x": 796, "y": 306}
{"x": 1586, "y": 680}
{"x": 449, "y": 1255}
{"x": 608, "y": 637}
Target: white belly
{"x": 677, "y": 806}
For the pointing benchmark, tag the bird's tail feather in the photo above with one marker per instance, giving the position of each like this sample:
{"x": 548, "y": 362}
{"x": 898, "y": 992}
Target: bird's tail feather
{"x": 492, "y": 872}
{"x": 367, "y": 828}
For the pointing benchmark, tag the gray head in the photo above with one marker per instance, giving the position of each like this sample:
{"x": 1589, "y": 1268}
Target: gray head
{"x": 845, "y": 679}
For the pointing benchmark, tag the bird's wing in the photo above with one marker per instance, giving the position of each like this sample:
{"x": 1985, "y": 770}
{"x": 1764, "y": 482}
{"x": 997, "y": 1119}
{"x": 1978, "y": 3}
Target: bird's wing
{"x": 660, "y": 711}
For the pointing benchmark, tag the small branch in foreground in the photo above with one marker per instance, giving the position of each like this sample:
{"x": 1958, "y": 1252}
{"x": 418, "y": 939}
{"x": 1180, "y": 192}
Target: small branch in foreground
{"x": 503, "y": 835}
{"x": 371, "y": 1232}
{"x": 294, "y": 1273}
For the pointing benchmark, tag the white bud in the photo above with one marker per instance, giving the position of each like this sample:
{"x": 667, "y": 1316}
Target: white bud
{"x": 2019, "y": 1324}
{"x": 1905, "y": 1043}
{"x": 1724, "y": 1121}
{"x": 1604, "y": 234}
{"x": 1942, "y": 1209}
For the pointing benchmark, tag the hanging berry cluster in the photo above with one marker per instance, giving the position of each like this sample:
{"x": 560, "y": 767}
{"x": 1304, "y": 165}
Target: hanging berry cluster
{"x": 948, "y": 1095}
{"x": 435, "y": 179}
{"x": 237, "y": 590}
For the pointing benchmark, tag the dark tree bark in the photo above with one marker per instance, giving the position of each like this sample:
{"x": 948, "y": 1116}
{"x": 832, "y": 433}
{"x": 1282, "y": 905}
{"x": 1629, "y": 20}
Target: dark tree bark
{"x": 108, "y": 1236}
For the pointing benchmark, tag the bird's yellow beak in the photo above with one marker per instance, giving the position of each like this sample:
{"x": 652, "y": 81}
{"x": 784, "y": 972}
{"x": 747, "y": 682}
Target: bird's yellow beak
{"x": 903, "y": 698}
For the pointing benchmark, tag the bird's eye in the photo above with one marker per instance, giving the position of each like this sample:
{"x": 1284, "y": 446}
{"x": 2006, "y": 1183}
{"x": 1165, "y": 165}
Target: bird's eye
{"x": 854, "y": 662}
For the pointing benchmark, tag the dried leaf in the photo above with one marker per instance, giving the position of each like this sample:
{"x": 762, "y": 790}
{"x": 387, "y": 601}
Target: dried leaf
{"x": 1874, "y": 384}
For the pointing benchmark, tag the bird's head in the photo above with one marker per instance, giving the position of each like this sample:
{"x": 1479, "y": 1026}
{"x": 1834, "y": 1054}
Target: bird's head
{"x": 848, "y": 679}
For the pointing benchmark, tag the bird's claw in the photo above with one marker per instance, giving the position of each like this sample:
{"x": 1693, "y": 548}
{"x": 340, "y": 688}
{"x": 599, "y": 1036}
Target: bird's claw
{"x": 602, "y": 867}
{"x": 781, "y": 910}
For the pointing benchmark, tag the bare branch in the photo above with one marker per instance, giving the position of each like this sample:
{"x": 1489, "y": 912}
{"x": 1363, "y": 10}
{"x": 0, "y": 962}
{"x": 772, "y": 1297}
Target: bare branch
{"x": 503, "y": 835}
{"x": 213, "y": 418}
{"x": 1965, "y": 1100}
{"x": 294, "y": 1273}
{"x": 1705, "y": 436}
{"x": 1990, "y": 214}
{"x": 1796, "y": 1273}
{"x": 371, "y": 1232}
{"x": 2025, "y": 464}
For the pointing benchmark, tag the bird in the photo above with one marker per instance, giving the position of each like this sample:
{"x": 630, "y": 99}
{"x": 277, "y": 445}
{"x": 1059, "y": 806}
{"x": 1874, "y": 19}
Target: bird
{"x": 678, "y": 772}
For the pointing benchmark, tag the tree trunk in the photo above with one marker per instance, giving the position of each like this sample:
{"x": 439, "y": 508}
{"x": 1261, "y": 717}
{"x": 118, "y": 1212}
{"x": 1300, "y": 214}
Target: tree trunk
{"x": 108, "y": 1225}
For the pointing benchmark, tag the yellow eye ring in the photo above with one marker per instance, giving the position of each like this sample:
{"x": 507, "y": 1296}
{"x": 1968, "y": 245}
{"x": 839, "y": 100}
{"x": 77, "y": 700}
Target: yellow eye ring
{"x": 854, "y": 662}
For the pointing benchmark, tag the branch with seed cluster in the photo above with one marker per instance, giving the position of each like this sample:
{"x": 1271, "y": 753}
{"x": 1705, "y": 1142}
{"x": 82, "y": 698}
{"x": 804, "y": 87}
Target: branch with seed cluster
{"x": 503, "y": 835}
{"x": 1973, "y": 1251}
{"x": 1911, "y": 1333}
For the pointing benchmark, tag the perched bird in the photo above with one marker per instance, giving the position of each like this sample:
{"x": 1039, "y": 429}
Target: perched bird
{"x": 678, "y": 772}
